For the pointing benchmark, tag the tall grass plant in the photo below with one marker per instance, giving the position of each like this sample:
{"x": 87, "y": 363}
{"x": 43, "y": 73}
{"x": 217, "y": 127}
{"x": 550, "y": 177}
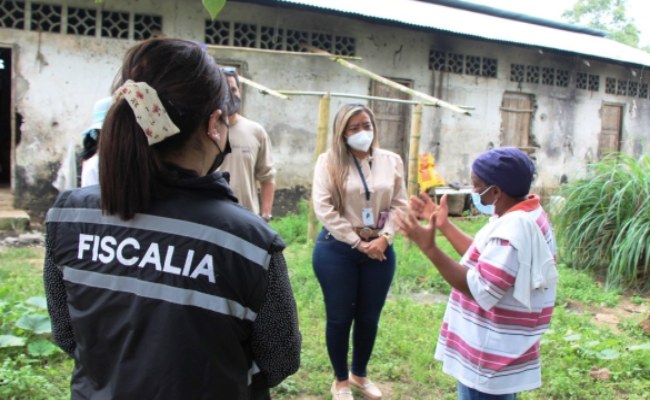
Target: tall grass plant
{"x": 604, "y": 225}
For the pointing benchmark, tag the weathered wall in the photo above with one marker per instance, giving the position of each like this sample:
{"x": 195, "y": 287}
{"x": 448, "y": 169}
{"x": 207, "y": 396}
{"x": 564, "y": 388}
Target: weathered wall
{"x": 58, "y": 78}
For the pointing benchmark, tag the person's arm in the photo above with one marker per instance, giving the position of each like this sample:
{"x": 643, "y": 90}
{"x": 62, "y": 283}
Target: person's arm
{"x": 454, "y": 273}
{"x": 276, "y": 338}
{"x": 398, "y": 203}
{"x": 57, "y": 305}
{"x": 458, "y": 239}
{"x": 323, "y": 205}
{"x": 267, "y": 192}
{"x": 425, "y": 237}
{"x": 265, "y": 173}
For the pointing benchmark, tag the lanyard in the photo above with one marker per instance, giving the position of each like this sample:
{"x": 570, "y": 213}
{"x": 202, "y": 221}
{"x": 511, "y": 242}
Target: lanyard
{"x": 363, "y": 179}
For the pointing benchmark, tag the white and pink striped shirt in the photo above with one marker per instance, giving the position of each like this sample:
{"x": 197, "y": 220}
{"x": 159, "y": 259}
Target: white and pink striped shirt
{"x": 491, "y": 342}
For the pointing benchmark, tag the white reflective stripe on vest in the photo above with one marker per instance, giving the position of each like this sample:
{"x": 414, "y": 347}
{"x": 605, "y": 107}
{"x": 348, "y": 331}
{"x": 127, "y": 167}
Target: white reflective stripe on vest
{"x": 171, "y": 226}
{"x": 158, "y": 291}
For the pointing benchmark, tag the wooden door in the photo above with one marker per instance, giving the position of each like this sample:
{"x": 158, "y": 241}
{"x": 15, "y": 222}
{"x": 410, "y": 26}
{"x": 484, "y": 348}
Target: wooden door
{"x": 393, "y": 119}
{"x": 609, "y": 139}
{"x": 516, "y": 116}
{"x": 6, "y": 142}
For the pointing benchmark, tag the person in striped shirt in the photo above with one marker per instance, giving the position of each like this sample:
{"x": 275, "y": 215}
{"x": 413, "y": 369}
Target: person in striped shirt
{"x": 503, "y": 288}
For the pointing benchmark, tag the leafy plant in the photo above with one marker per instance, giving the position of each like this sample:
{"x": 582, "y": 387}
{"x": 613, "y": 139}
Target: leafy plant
{"x": 20, "y": 380}
{"x": 604, "y": 225}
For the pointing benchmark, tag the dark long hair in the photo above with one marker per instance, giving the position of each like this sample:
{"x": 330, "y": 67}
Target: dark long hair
{"x": 190, "y": 86}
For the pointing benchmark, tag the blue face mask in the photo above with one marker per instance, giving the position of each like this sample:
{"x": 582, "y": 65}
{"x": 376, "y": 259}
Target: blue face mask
{"x": 482, "y": 208}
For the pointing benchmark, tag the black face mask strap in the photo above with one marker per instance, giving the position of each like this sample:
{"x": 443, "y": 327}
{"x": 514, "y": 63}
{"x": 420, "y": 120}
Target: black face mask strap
{"x": 218, "y": 160}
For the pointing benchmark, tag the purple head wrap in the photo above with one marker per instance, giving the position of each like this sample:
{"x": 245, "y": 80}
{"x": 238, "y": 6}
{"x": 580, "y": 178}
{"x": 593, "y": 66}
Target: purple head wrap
{"x": 506, "y": 167}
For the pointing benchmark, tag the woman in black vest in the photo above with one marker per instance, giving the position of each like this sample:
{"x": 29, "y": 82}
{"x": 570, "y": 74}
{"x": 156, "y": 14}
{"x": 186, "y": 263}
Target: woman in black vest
{"x": 159, "y": 284}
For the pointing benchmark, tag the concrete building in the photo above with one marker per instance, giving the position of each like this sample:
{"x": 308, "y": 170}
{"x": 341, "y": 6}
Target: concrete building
{"x": 566, "y": 95}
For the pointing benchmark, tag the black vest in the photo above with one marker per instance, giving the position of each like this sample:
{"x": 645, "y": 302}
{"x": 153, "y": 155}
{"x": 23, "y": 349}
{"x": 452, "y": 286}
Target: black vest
{"x": 162, "y": 305}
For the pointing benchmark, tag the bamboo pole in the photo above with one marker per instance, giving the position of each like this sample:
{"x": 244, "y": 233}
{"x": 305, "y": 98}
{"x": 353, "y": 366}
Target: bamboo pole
{"x": 321, "y": 146}
{"x": 412, "y": 187}
{"x": 414, "y": 150}
{"x": 262, "y": 88}
{"x": 274, "y": 52}
{"x": 362, "y": 96}
{"x": 387, "y": 82}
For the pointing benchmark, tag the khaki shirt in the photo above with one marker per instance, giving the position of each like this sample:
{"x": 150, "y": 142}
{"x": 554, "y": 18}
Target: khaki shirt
{"x": 250, "y": 161}
{"x": 385, "y": 180}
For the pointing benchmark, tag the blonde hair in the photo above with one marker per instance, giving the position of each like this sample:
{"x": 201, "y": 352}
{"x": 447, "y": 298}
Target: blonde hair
{"x": 339, "y": 152}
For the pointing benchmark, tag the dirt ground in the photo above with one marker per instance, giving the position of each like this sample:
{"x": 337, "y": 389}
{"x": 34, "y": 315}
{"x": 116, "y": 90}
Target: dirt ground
{"x": 611, "y": 317}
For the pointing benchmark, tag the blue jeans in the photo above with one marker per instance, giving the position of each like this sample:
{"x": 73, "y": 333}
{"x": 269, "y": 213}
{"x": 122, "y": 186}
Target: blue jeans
{"x": 466, "y": 393}
{"x": 355, "y": 289}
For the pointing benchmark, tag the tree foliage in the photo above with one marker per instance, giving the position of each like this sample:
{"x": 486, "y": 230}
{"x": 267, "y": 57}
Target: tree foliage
{"x": 605, "y": 15}
{"x": 213, "y": 7}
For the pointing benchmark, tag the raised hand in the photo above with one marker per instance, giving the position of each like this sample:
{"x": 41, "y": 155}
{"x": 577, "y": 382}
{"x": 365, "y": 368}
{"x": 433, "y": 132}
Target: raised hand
{"x": 422, "y": 235}
{"x": 423, "y": 207}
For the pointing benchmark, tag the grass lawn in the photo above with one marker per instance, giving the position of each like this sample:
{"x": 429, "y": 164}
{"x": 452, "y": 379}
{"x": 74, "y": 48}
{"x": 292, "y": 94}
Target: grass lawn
{"x": 594, "y": 350}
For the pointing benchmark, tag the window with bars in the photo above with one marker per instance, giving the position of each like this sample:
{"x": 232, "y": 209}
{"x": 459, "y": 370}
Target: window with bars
{"x": 462, "y": 64}
{"x": 643, "y": 90}
{"x": 632, "y": 88}
{"x": 489, "y": 67}
{"x": 146, "y": 26}
{"x": 12, "y": 14}
{"x": 593, "y": 83}
{"x": 610, "y": 85}
{"x": 46, "y": 18}
{"x": 115, "y": 25}
{"x": 246, "y": 35}
{"x": 81, "y": 21}
{"x": 517, "y": 72}
{"x": 56, "y": 18}
{"x": 548, "y": 76}
{"x": 229, "y": 33}
{"x": 473, "y": 65}
{"x": 581, "y": 80}
{"x": 623, "y": 87}
{"x": 295, "y": 39}
{"x": 562, "y": 77}
{"x": 438, "y": 60}
{"x": 532, "y": 74}
{"x": 270, "y": 38}
{"x": 587, "y": 81}
{"x": 456, "y": 62}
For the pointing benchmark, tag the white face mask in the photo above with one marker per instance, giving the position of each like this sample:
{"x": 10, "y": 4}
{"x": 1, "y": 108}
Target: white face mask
{"x": 487, "y": 209}
{"x": 361, "y": 140}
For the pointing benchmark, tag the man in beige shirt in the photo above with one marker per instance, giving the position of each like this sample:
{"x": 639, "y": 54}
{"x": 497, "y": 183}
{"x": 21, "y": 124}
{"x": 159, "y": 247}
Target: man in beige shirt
{"x": 250, "y": 161}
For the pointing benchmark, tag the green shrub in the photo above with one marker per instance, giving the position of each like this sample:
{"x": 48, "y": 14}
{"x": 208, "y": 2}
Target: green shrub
{"x": 604, "y": 225}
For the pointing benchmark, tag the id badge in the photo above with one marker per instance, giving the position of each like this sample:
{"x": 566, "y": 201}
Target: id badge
{"x": 383, "y": 217}
{"x": 366, "y": 217}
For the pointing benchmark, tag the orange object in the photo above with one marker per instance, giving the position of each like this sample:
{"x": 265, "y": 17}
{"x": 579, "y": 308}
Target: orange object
{"x": 427, "y": 175}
